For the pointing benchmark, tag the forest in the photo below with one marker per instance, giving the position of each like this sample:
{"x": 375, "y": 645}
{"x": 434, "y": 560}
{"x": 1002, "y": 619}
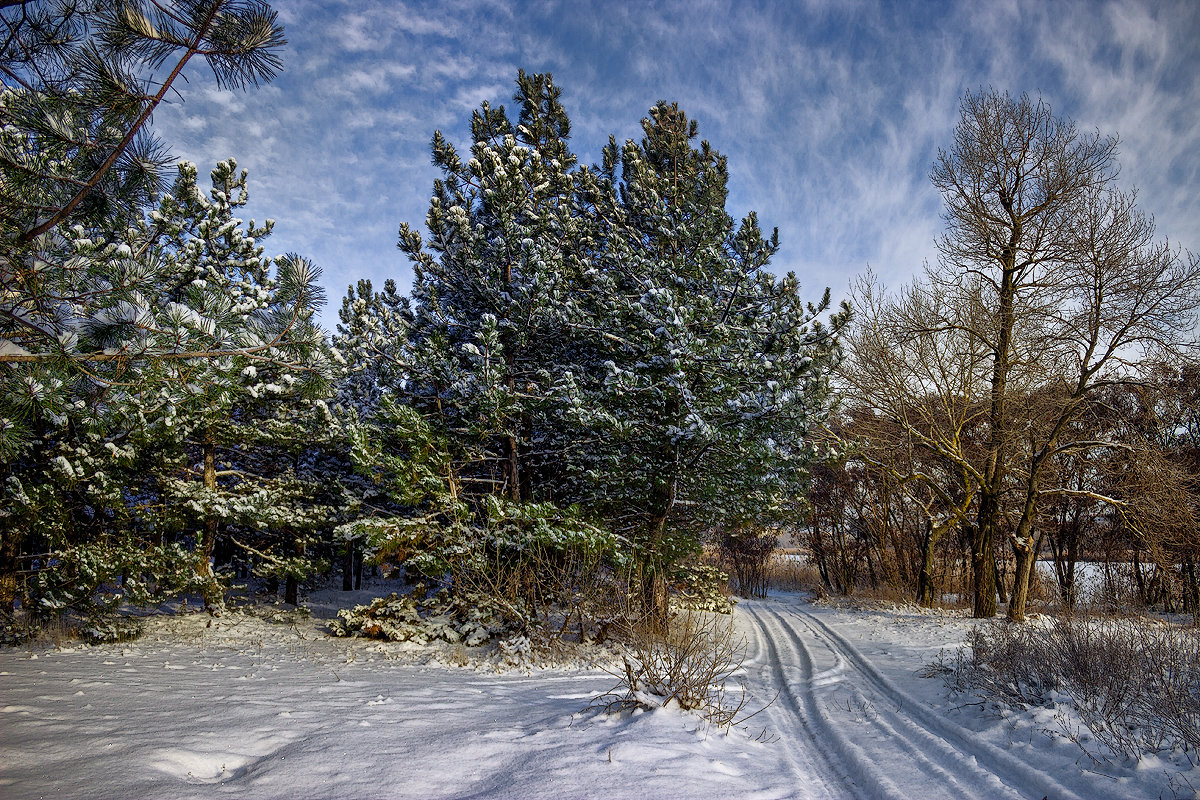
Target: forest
{"x": 596, "y": 399}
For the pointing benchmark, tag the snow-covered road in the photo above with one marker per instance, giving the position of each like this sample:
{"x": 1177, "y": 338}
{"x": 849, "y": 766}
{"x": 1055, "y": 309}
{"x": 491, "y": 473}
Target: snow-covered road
{"x": 248, "y": 709}
{"x": 869, "y": 737}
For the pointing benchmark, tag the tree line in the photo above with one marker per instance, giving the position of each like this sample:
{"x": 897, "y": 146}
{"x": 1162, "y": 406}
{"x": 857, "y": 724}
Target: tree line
{"x": 1029, "y": 390}
{"x": 594, "y": 375}
{"x": 593, "y": 360}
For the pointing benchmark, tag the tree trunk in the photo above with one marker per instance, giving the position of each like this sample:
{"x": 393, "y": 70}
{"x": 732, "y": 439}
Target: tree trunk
{"x": 871, "y": 576}
{"x": 653, "y": 567}
{"x": 818, "y": 547}
{"x": 10, "y": 551}
{"x": 983, "y": 566}
{"x": 214, "y": 597}
{"x": 996, "y": 465}
{"x": 1191, "y": 587}
{"x": 348, "y": 566}
{"x": 903, "y": 563}
{"x": 655, "y": 602}
{"x": 1138, "y": 577}
{"x": 512, "y": 468}
{"x": 1001, "y": 594}
{"x": 1026, "y": 555}
{"x": 526, "y": 474}
{"x": 925, "y": 587}
{"x": 1064, "y": 548}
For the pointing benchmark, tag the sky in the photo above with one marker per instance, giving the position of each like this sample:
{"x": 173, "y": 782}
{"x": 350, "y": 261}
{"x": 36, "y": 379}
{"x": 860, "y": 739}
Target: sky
{"x": 830, "y": 112}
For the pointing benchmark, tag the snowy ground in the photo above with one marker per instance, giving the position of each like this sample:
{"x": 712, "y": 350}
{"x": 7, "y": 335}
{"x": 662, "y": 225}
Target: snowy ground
{"x": 248, "y": 708}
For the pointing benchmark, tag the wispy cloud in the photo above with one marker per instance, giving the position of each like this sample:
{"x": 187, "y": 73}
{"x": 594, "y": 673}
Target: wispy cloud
{"x": 830, "y": 112}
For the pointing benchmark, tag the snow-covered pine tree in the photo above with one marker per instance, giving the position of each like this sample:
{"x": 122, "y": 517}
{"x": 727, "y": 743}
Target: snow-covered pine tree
{"x": 255, "y": 349}
{"x": 473, "y": 361}
{"x": 493, "y": 286}
{"x": 78, "y": 84}
{"x": 372, "y": 347}
{"x": 214, "y": 325}
{"x": 716, "y": 371}
{"x": 79, "y": 164}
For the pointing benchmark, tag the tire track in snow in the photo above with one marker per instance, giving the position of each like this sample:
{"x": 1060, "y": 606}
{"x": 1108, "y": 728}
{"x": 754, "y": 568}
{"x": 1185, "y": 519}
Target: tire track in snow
{"x": 873, "y": 771}
{"x": 892, "y": 740}
{"x": 795, "y": 717}
{"x": 959, "y": 747}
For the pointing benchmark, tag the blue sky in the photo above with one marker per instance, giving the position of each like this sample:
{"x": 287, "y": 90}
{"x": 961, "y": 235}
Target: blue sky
{"x": 830, "y": 111}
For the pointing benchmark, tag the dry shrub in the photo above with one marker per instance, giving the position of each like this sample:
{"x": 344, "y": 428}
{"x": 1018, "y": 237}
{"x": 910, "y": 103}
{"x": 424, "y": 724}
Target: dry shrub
{"x": 562, "y": 594}
{"x": 787, "y": 572}
{"x": 686, "y": 664}
{"x": 748, "y": 554}
{"x": 1135, "y": 685}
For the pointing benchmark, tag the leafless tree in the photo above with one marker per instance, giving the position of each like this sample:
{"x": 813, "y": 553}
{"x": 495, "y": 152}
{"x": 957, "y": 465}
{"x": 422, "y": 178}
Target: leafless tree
{"x": 1050, "y": 286}
{"x": 917, "y": 387}
{"x": 1073, "y": 290}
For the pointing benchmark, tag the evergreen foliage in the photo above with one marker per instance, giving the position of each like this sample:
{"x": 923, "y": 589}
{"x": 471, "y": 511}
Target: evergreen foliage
{"x": 161, "y": 379}
{"x": 205, "y": 435}
{"x": 716, "y": 371}
{"x": 600, "y": 336}
{"x": 594, "y": 369}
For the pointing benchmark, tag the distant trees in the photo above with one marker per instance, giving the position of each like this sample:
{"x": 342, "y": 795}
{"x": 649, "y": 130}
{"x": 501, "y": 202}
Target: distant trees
{"x": 915, "y": 393}
{"x": 1051, "y": 288}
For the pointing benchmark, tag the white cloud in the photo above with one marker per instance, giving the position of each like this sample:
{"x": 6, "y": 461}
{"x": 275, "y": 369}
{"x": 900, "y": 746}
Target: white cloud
{"x": 830, "y": 112}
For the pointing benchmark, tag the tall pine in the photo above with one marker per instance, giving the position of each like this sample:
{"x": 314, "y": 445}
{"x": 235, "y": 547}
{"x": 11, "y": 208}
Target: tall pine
{"x": 716, "y": 371}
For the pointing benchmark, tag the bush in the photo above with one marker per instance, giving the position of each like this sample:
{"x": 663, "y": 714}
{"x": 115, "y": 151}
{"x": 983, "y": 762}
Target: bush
{"x": 470, "y": 619}
{"x": 108, "y": 629}
{"x": 749, "y": 554}
{"x": 701, "y": 587}
{"x": 1134, "y": 685}
{"x": 16, "y": 629}
{"x": 686, "y": 664}
{"x": 532, "y": 561}
{"x": 93, "y": 579}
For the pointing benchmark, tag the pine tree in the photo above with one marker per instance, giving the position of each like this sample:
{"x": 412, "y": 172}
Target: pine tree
{"x": 603, "y": 337}
{"x": 230, "y": 329}
{"x": 494, "y": 283}
{"x": 475, "y": 359}
{"x": 716, "y": 370}
{"x": 80, "y": 79}
{"x": 251, "y": 340}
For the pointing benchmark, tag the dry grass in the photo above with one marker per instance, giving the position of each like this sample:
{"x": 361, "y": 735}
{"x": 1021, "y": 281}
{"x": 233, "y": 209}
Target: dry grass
{"x": 1133, "y": 683}
{"x": 788, "y": 571}
{"x": 688, "y": 663}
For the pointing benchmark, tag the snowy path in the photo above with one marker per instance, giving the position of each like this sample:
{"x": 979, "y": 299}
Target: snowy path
{"x": 869, "y": 737}
{"x": 241, "y": 708}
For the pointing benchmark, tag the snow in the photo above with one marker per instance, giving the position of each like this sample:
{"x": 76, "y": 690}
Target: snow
{"x": 1093, "y": 578}
{"x": 261, "y": 705}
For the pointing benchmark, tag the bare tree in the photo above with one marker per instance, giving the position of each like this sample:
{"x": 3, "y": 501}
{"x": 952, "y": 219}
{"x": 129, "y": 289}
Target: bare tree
{"x": 917, "y": 388}
{"x": 1050, "y": 287}
{"x": 1071, "y": 292}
